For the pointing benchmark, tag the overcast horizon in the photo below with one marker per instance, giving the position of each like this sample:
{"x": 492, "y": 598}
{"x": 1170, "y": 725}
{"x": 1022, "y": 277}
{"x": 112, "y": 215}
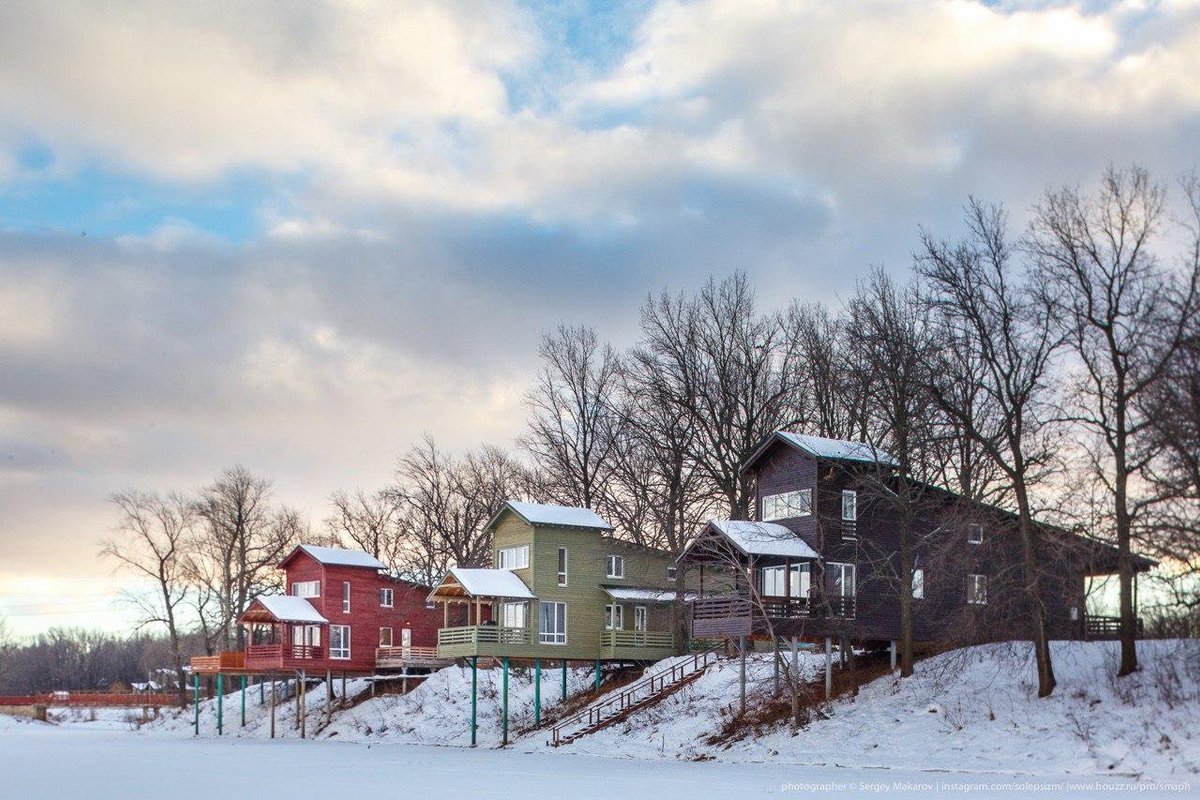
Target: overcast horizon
{"x": 296, "y": 237}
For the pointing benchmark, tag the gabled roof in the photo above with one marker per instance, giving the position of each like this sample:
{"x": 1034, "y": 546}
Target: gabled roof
{"x": 820, "y": 447}
{"x": 336, "y": 556}
{"x": 554, "y": 516}
{"x": 284, "y": 608}
{"x": 463, "y": 582}
{"x": 757, "y": 539}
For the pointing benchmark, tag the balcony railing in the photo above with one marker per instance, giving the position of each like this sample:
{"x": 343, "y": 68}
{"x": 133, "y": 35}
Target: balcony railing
{"x": 611, "y": 639}
{"x": 734, "y": 615}
{"x": 400, "y": 656}
{"x": 278, "y": 653}
{"x": 1095, "y": 627}
{"x": 482, "y": 634}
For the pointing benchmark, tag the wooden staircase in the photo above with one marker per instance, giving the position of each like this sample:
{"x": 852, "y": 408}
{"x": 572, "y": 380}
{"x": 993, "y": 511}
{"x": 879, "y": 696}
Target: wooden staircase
{"x": 618, "y": 705}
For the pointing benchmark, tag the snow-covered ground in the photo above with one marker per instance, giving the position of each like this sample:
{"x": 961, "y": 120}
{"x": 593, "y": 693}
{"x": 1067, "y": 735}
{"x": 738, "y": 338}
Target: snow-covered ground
{"x": 970, "y": 715}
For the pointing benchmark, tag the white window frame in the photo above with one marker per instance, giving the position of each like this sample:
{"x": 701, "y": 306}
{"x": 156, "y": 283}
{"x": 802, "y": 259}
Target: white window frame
{"x": 672, "y": 572}
{"x": 387, "y": 598}
{"x": 771, "y": 580}
{"x": 345, "y": 597}
{"x": 553, "y": 637}
{"x": 977, "y": 589}
{"x": 614, "y": 617}
{"x": 918, "y": 583}
{"x": 614, "y": 566}
{"x": 563, "y": 565}
{"x": 307, "y": 635}
{"x": 514, "y": 615}
{"x": 787, "y": 505}
{"x": 974, "y": 533}
{"x": 849, "y": 504}
{"x": 843, "y": 568}
{"x": 340, "y": 653}
{"x": 390, "y": 641}
{"x": 640, "y": 617}
{"x": 306, "y": 589}
{"x": 516, "y": 557}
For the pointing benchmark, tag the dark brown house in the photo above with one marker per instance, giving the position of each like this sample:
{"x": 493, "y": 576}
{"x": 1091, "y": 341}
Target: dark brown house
{"x": 822, "y": 559}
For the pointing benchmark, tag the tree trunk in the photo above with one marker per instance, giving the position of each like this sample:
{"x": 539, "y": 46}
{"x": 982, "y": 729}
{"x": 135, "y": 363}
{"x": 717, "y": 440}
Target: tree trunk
{"x": 1037, "y": 617}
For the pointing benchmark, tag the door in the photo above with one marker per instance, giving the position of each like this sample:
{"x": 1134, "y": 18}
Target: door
{"x": 406, "y": 640}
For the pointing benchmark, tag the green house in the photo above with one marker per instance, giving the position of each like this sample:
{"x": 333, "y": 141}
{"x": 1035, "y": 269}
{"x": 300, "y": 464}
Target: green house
{"x": 561, "y": 587}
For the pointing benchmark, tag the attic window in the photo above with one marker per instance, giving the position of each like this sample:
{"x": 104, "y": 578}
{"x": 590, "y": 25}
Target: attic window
{"x": 975, "y": 533}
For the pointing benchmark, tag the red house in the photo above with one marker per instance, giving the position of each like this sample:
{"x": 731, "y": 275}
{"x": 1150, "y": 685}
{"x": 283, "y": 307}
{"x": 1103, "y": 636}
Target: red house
{"x": 342, "y": 613}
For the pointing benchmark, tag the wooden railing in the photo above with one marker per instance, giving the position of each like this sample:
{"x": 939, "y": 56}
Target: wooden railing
{"x": 786, "y": 607}
{"x": 1095, "y": 627}
{"x": 722, "y": 615}
{"x": 642, "y": 692}
{"x": 409, "y": 653}
{"x": 482, "y": 634}
{"x": 278, "y": 652}
{"x": 611, "y": 638}
{"x": 93, "y": 699}
{"x": 228, "y": 660}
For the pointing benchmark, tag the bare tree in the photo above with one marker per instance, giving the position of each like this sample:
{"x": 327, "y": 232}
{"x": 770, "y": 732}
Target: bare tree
{"x": 150, "y": 540}
{"x": 827, "y": 403}
{"x": 371, "y": 521}
{"x": 1124, "y": 316}
{"x": 242, "y": 539}
{"x": 573, "y": 421}
{"x": 986, "y": 309}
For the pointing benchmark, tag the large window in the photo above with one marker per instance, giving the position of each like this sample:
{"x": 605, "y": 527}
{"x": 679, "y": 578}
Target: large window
{"x": 512, "y": 557}
{"x": 552, "y": 623}
{"x": 385, "y": 637}
{"x": 614, "y": 617}
{"x": 918, "y": 584}
{"x": 512, "y": 615}
{"x": 562, "y": 566}
{"x": 975, "y": 533}
{"x": 787, "y": 505}
{"x": 772, "y": 581}
{"x": 306, "y": 634}
{"x": 339, "y": 641}
{"x": 615, "y": 567}
{"x": 842, "y": 579}
{"x": 849, "y": 505}
{"x": 345, "y": 597}
{"x": 977, "y": 590}
{"x": 387, "y": 598}
{"x": 306, "y": 589}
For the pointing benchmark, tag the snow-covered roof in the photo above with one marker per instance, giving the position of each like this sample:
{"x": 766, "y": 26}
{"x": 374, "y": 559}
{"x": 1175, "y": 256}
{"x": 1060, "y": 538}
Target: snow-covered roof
{"x": 341, "y": 557}
{"x": 487, "y": 583}
{"x": 842, "y": 449}
{"x": 287, "y": 608}
{"x": 632, "y": 593}
{"x": 763, "y": 538}
{"x": 562, "y": 516}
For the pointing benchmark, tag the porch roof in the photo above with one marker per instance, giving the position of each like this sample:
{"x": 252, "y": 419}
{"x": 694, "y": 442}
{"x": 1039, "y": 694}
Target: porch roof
{"x": 461, "y": 582}
{"x": 756, "y": 539}
{"x": 645, "y": 595}
{"x": 283, "y": 608}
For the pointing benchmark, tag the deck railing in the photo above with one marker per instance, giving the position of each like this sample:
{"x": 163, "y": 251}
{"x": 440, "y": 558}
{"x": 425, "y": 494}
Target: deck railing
{"x": 610, "y": 638}
{"x": 228, "y": 660}
{"x": 482, "y": 634}
{"x": 734, "y": 615}
{"x": 410, "y": 653}
{"x": 278, "y": 652}
{"x": 1095, "y": 627}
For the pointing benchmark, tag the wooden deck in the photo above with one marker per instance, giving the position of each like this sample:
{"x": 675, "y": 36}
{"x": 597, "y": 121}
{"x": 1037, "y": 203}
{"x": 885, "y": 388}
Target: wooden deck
{"x": 405, "y": 657}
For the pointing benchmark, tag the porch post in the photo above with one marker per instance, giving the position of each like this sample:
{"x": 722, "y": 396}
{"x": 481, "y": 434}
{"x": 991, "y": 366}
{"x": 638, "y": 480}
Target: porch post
{"x": 775, "y": 661}
{"x": 828, "y": 667}
{"x": 303, "y": 703}
{"x": 564, "y": 680}
{"x": 892, "y": 652}
{"x": 474, "y": 691}
{"x": 196, "y": 701}
{"x": 262, "y": 698}
{"x": 220, "y": 703}
{"x": 446, "y": 615}
{"x": 243, "y": 701}
{"x": 742, "y": 671}
{"x": 272, "y": 703}
{"x": 504, "y": 703}
{"x": 344, "y": 682}
{"x": 329, "y": 687}
{"x": 537, "y": 692}
{"x": 597, "y": 674}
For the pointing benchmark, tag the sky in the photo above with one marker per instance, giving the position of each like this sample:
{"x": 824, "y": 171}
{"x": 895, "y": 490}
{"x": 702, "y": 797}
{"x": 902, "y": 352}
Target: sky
{"x": 297, "y": 236}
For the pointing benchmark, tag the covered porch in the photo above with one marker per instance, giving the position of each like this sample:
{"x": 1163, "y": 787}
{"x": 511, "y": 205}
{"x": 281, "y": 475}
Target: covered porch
{"x": 283, "y": 632}
{"x": 651, "y": 609}
{"x": 497, "y": 614}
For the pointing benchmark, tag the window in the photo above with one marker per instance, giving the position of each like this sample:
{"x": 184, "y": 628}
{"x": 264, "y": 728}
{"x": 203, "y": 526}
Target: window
{"x": 552, "y": 623}
{"x": 385, "y": 637}
{"x": 787, "y": 505}
{"x": 345, "y": 597}
{"x": 512, "y": 615}
{"x": 975, "y": 533}
{"x": 339, "y": 641}
{"x": 562, "y": 566}
{"x": 772, "y": 581}
{"x": 306, "y": 634}
{"x": 306, "y": 589}
{"x": 513, "y": 557}
{"x": 386, "y": 597}
{"x": 841, "y": 579}
{"x": 977, "y": 590}
{"x": 639, "y": 618}
{"x": 918, "y": 584}
{"x": 614, "y": 617}
{"x": 849, "y": 505}
{"x": 616, "y": 567}
{"x": 672, "y": 572}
